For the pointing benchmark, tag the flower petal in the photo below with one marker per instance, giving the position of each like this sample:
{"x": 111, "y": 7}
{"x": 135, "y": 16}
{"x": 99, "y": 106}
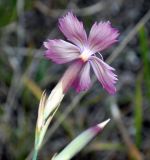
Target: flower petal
{"x": 101, "y": 36}
{"x": 83, "y": 82}
{"x": 73, "y": 29}
{"x": 61, "y": 51}
{"x": 104, "y": 73}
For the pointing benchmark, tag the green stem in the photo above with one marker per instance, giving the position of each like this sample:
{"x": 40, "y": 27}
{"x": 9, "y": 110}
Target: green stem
{"x": 35, "y": 154}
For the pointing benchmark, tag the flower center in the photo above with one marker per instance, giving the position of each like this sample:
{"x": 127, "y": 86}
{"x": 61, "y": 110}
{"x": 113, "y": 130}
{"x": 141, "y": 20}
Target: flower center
{"x": 85, "y": 55}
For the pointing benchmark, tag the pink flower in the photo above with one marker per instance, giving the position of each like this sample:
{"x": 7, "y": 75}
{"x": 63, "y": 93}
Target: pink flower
{"x": 83, "y": 50}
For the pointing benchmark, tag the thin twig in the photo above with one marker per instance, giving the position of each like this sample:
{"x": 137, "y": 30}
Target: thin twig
{"x": 23, "y": 51}
{"x": 129, "y": 37}
{"x": 13, "y": 91}
{"x": 93, "y": 9}
{"x": 133, "y": 151}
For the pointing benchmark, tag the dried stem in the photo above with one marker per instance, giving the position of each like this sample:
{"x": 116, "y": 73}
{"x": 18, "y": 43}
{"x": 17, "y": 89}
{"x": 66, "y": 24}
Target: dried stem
{"x": 133, "y": 151}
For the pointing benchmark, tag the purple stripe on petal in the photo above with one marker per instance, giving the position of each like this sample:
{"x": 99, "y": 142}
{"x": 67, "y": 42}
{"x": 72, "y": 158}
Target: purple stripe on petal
{"x": 83, "y": 82}
{"x": 104, "y": 73}
{"x": 61, "y": 51}
{"x": 101, "y": 36}
{"x": 73, "y": 29}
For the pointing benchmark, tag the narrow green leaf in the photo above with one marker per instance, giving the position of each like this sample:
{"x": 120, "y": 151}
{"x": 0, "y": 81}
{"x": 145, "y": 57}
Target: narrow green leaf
{"x": 80, "y": 142}
{"x": 145, "y": 50}
{"x": 138, "y": 113}
{"x": 7, "y": 12}
{"x": 44, "y": 129}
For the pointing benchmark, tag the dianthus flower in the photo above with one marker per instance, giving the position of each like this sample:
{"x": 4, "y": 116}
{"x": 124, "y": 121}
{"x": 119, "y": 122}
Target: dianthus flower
{"x": 84, "y": 52}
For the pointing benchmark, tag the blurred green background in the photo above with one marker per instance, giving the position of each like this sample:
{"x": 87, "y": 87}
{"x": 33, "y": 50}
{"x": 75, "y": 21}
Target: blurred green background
{"x": 25, "y": 73}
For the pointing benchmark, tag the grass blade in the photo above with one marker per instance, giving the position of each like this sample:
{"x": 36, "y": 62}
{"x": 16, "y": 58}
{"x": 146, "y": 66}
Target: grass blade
{"x": 138, "y": 113}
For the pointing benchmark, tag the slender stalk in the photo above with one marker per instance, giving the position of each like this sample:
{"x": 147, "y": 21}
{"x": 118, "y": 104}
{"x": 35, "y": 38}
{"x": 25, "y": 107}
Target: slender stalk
{"x": 48, "y": 106}
{"x": 35, "y": 154}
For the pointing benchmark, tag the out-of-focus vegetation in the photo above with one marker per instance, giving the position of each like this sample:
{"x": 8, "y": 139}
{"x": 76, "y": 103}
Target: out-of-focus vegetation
{"x": 25, "y": 73}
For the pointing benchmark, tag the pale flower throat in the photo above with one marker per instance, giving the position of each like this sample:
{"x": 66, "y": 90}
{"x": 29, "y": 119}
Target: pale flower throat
{"x": 85, "y": 55}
